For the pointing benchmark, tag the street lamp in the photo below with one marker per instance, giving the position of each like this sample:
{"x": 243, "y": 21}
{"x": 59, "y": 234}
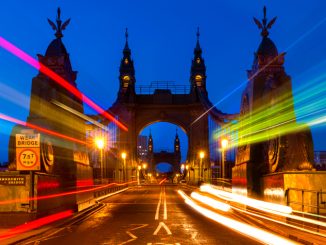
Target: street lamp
{"x": 224, "y": 144}
{"x": 100, "y": 144}
{"x": 138, "y": 174}
{"x": 123, "y": 156}
{"x": 201, "y": 156}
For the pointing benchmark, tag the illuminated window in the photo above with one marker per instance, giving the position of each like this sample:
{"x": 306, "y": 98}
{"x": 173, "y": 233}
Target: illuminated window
{"x": 126, "y": 61}
{"x": 198, "y": 79}
{"x": 198, "y": 60}
{"x": 126, "y": 78}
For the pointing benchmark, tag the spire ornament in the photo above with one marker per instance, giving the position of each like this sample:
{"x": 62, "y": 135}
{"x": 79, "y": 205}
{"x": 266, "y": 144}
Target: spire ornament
{"x": 126, "y": 34}
{"x": 59, "y": 27}
{"x": 263, "y": 25}
{"x": 198, "y": 34}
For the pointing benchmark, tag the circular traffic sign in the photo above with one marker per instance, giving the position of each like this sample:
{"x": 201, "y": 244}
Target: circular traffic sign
{"x": 28, "y": 158}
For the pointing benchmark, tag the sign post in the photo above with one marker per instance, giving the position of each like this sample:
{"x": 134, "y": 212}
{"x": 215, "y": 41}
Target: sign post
{"x": 28, "y": 158}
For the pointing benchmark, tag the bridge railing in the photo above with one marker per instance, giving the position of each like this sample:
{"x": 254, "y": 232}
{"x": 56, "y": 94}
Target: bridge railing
{"x": 163, "y": 85}
{"x": 311, "y": 200}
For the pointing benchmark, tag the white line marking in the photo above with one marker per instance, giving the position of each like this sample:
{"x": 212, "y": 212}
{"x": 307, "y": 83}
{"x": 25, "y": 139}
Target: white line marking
{"x": 193, "y": 236}
{"x": 161, "y": 224}
{"x": 165, "y": 209}
{"x": 158, "y": 206}
{"x": 132, "y": 235}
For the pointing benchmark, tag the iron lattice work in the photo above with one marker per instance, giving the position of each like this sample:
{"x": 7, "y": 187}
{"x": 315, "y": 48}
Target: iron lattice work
{"x": 163, "y": 85}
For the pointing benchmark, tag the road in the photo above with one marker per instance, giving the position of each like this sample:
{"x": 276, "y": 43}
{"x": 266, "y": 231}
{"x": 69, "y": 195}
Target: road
{"x": 144, "y": 215}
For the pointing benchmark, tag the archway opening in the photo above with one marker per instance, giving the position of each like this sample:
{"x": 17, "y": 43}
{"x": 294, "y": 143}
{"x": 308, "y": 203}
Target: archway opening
{"x": 162, "y": 142}
{"x": 164, "y": 167}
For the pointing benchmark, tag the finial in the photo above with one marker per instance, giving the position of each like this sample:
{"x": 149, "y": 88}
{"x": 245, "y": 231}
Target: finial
{"x": 198, "y": 34}
{"x": 126, "y": 34}
{"x": 263, "y": 25}
{"x": 59, "y": 27}
{"x": 176, "y": 131}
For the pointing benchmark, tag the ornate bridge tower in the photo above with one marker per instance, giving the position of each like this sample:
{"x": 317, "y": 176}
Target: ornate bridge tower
{"x": 270, "y": 140}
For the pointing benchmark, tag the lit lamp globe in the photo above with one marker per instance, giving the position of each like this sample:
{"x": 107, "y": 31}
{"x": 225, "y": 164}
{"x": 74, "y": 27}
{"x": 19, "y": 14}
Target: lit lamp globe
{"x": 99, "y": 143}
{"x": 224, "y": 143}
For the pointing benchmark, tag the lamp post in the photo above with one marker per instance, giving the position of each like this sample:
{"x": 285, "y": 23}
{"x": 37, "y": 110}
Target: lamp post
{"x": 224, "y": 144}
{"x": 123, "y": 156}
{"x": 138, "y": 174}
{"x": 201, "y": 156}
{"x": 100, "y": 144}
{"x": 188, "y": 172}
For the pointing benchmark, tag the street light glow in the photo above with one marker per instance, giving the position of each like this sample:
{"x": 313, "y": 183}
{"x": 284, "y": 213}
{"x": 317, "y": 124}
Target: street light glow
{"x": 99, "y": 143}
{"x": 123, "y": 155}
{"x": 201, "y": 154}
{"x": 144, "y": 165}
{"x": 224, "y": 143}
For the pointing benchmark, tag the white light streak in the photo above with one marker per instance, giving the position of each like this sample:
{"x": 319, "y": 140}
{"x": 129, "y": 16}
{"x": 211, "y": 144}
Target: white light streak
{"x": 211, "y": 202}
{"x": 253, "y": 232}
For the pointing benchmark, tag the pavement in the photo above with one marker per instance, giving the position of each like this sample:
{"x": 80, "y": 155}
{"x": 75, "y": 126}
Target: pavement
{"x": 76, "y": 217}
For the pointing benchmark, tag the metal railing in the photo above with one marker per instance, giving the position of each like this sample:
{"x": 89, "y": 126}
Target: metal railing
{"x": 320, "y": 203}
{"x": 163, "y": 85}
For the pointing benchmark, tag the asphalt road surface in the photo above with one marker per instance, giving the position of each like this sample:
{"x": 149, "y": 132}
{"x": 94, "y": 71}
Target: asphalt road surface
{"x": 144, "y": 215}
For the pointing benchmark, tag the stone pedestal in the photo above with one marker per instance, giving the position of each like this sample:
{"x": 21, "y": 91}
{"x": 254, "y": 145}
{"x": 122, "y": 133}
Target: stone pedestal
{"x": 301, "y": 190}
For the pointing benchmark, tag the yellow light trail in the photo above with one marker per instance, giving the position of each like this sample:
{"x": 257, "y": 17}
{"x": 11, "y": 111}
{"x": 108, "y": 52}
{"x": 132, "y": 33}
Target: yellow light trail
{"x": 270, "y": 121}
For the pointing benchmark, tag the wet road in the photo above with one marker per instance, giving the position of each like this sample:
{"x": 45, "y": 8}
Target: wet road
{"x": 144, "y": 215}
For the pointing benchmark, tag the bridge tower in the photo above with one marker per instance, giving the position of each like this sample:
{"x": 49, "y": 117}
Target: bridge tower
{"x": 267, "y": 142}
{"x": 188, "y": 110}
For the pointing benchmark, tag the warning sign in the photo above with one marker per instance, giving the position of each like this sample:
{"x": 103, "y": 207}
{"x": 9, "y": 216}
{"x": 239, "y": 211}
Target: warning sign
{"x": 28, "y": 151}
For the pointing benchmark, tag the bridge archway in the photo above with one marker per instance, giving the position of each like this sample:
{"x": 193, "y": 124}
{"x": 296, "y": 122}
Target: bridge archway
{"x": 162, "y": 142}
{"x": 183, "y": 105}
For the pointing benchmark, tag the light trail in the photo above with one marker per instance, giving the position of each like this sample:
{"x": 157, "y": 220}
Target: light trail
{"x": 267, "y": 122}
{"x": 261, "y": 205}
{"x": 279, "y": 222}
{"x": 81, "y": 115}
{"x": 276, "y": 209}
{"x": 43, "y": 130}
{"x": 162, "y": 181}
{"x": 211, "y": 202}
{"x": 58, "y": 79}
{"x": 63, "y": 193}
{"x": 11, "y": 95}
{"x": 35, "y": 224}
{"x": 304, "y": 35}
{"x": 245, "y": 229}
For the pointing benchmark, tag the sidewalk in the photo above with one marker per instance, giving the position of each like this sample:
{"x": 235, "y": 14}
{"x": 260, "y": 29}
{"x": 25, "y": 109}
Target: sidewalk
{"x": 26, "y": 231}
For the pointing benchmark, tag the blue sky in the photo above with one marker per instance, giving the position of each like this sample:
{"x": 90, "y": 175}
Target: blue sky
{"x": 162, "y": 38}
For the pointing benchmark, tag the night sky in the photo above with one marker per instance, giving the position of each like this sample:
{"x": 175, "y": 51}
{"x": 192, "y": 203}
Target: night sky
{"x": 162, "y": 36}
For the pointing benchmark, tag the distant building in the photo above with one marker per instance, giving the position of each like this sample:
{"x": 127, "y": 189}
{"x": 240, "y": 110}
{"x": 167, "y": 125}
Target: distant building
{"x": 142, "y": 145}
{"x": 320, "y": 160}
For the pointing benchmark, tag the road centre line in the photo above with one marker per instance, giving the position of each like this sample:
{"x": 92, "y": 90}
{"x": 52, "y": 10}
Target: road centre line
{"x": 158, "y": 206}
{"x": 165, "y": 209}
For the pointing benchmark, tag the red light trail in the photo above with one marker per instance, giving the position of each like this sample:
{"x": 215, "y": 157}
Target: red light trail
{"x": 162, "y": 181}
{"x": 63, "y": 193}
{"x": 44, "y": 130}
{"x": 55, "y": 77}
{"x": 35, "y": 224}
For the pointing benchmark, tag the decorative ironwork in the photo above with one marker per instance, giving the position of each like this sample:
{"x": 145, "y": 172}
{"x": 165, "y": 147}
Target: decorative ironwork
{"x": 59, "y": 27}
{"x": 163, "y": 85}
{"x": 263, "y": 25}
